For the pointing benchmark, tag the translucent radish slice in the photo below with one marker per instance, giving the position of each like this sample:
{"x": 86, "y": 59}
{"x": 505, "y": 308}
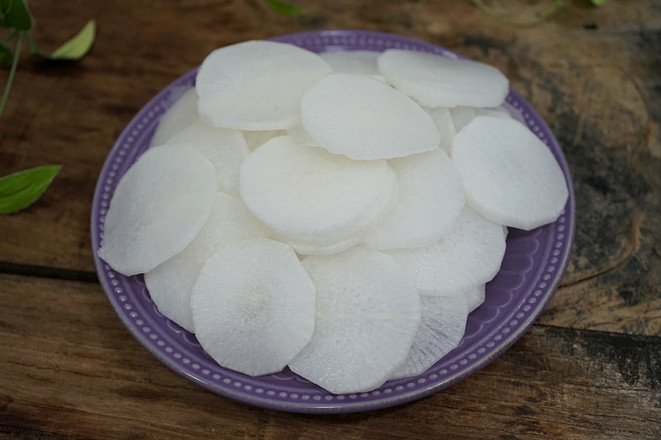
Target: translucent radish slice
{"x": 158, "y": 207}
{"x": 442, "y": 326}
{"x": 471, "y": 253}
{"x": 256, "y": 85}
{"x": 179, "y": 116}
{"x": 429, "y": 199}
{"x": 366, "y": 119}
{"x": 436, "y": 81}
{"x": 475, "y": 297}
{"x": 355, "y": 61}
{"x": 253, "y": 306}
{"x": 170, "y": 284}
{"x": 255, "y": 139}
{"x": 299, "y": 135}
{"x": 307, "y": 194}
{"x": 510, "y": 176}
{"x": 225, "y": 148}
{"x": 368, "y": 312}
{"x": 443, "y": 120}
{"x": 461, "y": 116}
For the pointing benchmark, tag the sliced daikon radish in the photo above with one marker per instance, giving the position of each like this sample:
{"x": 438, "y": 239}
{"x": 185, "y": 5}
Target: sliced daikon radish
{"x": 498, "y": 112}
{"x": 225, "y": 148}
{"x": 299, "y": 135}
{"x": 158, "y": 207}
{"x": 170, "y": 284}
{"x": 256, "y": 85}
{"x": 443, "y": 120}
{"x": 429, "y": 199}
{"x": 471, "y": 253}
{"x": 368, "y": 312}
{"x": 475, "y": 296}
{"x": 436, "y": 81}
{"x": 513, "y": 112}
{"x": 365, "y": 119}
{"x": 180, "y": 115}
{"x": 307, "y": 194}
{"x": 353, "y": 61}
{"x": 255, "y": 139}
{"x": 253, "y": 306}
{"x": 510, "y": 176}
{"x": 461, "y": 116}
{"x": 441, "y": 328}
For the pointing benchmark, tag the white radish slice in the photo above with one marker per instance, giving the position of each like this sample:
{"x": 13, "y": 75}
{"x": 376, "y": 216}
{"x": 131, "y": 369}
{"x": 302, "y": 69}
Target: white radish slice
{"x": 471, "y": 253}
{"x": 429, "y": 199}
{"x": 498, "y": 112}
{"x": 256, "y": 85}
{"x": 158, "y": 207}
{"x": 170, "y": 284}
{"x": 442, "y": 326}
{"x": 253, "y": 306}
{"x": 225, "y": 148}
{"x": 299, "y": 135}
{"x": 475, "y": 296}
{"x": 443, "y": 120}
{"x": 180, "y": 115}
{"x": 354, "y": 61}
{"x": 368, "y": 312}
{"x": 436, "y": 81}
{"x": 255, "y": 139}
{"x": 307, "y": 194}
{"x": 513, "y": 112}
{"x": 509, "y": 174}
{"x": 461, "y": 116}
{"x": 366, "y": 119}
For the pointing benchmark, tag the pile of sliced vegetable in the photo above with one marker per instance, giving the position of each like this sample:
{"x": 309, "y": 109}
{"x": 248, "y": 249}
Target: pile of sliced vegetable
{"x": 336, "y": 214}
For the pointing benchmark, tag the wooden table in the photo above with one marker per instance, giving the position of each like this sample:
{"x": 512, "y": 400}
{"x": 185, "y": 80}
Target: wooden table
{"x": 590, "y": 368}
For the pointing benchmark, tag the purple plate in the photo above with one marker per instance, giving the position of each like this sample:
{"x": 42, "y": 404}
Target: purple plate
{"x": 532, "y": 269}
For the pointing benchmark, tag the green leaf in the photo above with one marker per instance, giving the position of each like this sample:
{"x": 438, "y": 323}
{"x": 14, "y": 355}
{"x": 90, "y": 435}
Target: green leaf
{"x": 284, "y": 8}
{"x": 78, "y": 46}
{"x": 597, "y": 2}
{"x": 15, "y": 14}
{"x": 5, "y": 55}
{"x": 20, "y": 190}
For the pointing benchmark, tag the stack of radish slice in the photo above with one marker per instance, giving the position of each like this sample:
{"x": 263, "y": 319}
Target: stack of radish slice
{"x": 338, "y": 214}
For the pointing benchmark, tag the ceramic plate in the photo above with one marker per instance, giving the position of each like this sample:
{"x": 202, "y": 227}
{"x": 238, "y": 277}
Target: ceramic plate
{"x": 533, "y": 266}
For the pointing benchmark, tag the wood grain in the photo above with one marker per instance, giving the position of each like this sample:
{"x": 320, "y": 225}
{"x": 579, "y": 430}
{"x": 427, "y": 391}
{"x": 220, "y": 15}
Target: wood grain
{"x": 68, "y": 366}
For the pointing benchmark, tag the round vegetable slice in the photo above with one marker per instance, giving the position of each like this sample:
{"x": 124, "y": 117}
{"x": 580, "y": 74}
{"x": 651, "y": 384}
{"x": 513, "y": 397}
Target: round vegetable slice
{"x": 225, "y": 148}
{"x": 256, "y": 139}
{"x": 309, "y": 195}
{"x": 353, "y": 61}
{"x": 441, "y": 328}
{"x": 366, "y": 119}
{"x": 429, "y": 199}
{"x": 443, "y": 120}
{"x": 180, "y": 115}
{"x": 471, "y": 253}
{"x": 509, "y": 174}
{"x": 475, "y": 296}
{"x": 367, "y": 314}
{"x": 158, "y": 207}
{"x": 436, "y": 81}
{"x": 253, "y": 306}
{"x": 170, "y": 284}
{"x": 256, "y": 85}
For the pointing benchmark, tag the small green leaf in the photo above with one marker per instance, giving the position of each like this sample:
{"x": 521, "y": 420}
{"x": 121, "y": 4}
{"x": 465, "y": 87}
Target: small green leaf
{"x": 15, "y": 14}
{"x": 20, "y": 190}
{"x": 284, "y": 8}
{"x": 5, "y": 55}
{"x": 597, "y": 2}
{"x": 78, "y": 46}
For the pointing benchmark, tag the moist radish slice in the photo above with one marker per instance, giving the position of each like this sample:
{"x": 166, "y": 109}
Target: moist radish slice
{"x": 225, "y": 148}
{"x": 367, "y": 314}
{"x": 475, "y": 296}
{"x": 509, "y": 174}
{"x": 430, "y": 197}
{"x": 170, "y": 284}
{"x": 366, "y": 119}
{"x": 436, "y": 81}
{"x": 443, "y": 120}
{"x": 180, "y": 115}
{"x": 158, "y": 207}
{"x": 253, "y": 306}
{"x": 353, "y": 61}
{"x": 461, "y": 116}
{"x": 256, "y": 85}
{"x": 256, "y": 139}
{"x": 441, "y": 328}
{"x": 309, "y": 195}
{"x": 470, "y": 253}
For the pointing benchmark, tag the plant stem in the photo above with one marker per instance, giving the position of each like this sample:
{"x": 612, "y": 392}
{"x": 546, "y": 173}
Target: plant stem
{"x": 552, "y": 9}
{"x": 12, "y": 72}
{"x": 8, "y": 39}
{"x": 33, "y": 46}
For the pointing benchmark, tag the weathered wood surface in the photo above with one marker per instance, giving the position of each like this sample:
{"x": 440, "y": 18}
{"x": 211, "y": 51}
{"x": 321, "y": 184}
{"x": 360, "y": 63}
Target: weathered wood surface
{"x": 590, "y": 366}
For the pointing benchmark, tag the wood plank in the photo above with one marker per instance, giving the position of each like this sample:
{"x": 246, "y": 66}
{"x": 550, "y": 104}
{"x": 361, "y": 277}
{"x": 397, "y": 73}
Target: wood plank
{"x": 68, "y": 369}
